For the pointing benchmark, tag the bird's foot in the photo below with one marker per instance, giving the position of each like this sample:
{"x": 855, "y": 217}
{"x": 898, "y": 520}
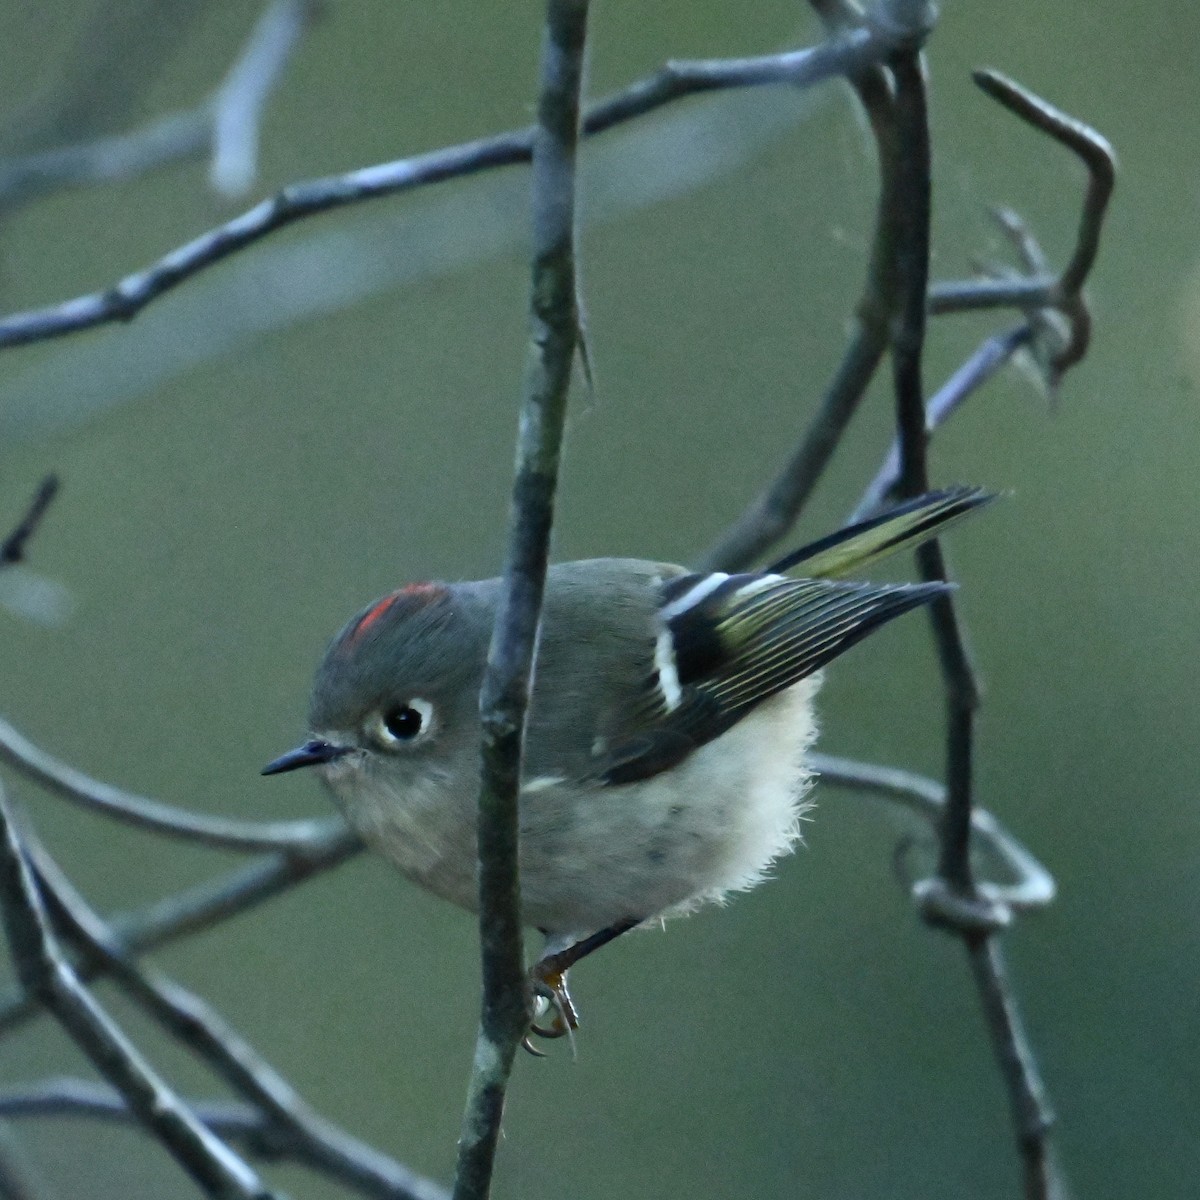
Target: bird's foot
{"x": 548, "y": 980}
{"x": 549, "y": 984}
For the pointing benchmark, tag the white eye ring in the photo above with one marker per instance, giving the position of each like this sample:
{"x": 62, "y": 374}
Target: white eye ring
{"x": 404, "y": 724}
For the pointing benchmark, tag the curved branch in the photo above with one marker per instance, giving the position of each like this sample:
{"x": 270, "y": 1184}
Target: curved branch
{"x": 1064, "y": 293}
{"x": 204, "y": 906}
{"x": 70, "y": 1097}
{"x": 43, "y": 971}
{"x": 1091, "y": 148}
{"x": 227, "y": 121}
{"x": 123, "y": 301}
{"x": 289, "y": 1121}
{"x": 143, "y": 813}
{"x": 1032, "y": 887}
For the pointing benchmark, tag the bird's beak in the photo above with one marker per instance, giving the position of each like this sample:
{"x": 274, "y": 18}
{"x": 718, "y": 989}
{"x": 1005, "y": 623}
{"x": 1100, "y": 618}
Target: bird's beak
{"x": 309, "y": 755}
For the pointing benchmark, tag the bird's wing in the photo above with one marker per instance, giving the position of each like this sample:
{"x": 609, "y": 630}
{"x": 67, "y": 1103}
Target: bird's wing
{"x": 729, "y": 642}
{"x": 676, "y": 659}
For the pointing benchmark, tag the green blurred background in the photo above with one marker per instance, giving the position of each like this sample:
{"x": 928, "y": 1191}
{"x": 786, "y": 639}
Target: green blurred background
{"x": 333, "y": 412}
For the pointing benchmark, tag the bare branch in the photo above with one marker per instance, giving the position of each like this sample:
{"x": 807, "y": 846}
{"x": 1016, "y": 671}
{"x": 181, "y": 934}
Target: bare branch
{"x": 68, "y": 1097}
{"x": 1032, "y": 1115}
{"x": 44, "y": 972}
{"x": 228, "y": 121}
{"x": 240, "y": 100}
{"x": 130, "y": 295}
{"x": 175, "y": 137}
{"x": 290, "y": 1122}
{"x": 1082, "y": 140}
{"x": 200, "y": 908}
{"x": 842, "y": 54}
{"x": 504, "y": 698}
{"x": 1064, "y": 293}
{"x": 143, "y": 813}
{"x": 1032, "y": 887}
{"x": 991, "y": 356}
{"x": 962, "y": 691}
{"x": 776, "y": 509}
{"x": 973, "y": 295}
{"x": 913, "y": 195}
{"x": 12, "y": 548}
{"x": 951, "y": 899}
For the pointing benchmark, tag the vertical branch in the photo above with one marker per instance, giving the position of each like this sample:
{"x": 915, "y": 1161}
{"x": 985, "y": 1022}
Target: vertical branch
{"x": 1032, "y": 1115}
{"x": 908, "y": 341}
{"x": 554, "y": 339}
{"x": 953, "y": 900}
{"x": 914, "y": 187}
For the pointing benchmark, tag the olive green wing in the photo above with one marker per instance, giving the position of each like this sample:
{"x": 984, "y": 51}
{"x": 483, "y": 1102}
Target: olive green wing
{"x": 729, "y": 642}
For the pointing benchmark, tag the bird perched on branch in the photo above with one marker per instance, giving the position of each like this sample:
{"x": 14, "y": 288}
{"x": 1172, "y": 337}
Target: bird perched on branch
{"x": 668, "y": 722}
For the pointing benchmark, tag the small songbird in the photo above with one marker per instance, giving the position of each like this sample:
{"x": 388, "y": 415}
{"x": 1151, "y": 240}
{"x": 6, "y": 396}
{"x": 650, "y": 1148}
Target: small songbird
{"x": 664, "y": 753}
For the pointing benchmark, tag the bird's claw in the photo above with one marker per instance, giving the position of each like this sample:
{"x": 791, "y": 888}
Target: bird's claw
{"x": 526, "y": 1044}
{"x": 550, "y": 996}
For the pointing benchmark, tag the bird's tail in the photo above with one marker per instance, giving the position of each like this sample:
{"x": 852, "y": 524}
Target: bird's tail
{"x": 905, "y": 526}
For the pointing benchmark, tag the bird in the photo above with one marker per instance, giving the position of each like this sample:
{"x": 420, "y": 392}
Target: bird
{"x": 669, "y": 718}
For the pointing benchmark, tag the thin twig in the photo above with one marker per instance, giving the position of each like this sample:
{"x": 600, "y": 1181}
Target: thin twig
{"x": 908, "y": 339}
{"x": 172, "y": 138}
{"x": 1032, "y": 1114}
{"x": 143, "y": 813}
{"x": 12, "y": 548}
{"x": 775, "y": 510}
{"x": 227, "y": 121}
{"x": 129, "y": 296}
{"x": 43, "y": 971}
{"x": 845, "y": 53}
{"x": 989, "y": 358}
{"x": 204, "y": 906}
{"x": 1032, "y": 886}
{"x": 240, "y": 100}
{"x": 974, "y": 295}
{"x": 504, "y": 699}
{"x": 187, "y": 1018}
{"x": 1064, "y": 293}
{"x": 951, "y": 899}
{"x": 69, "y": 1097}
{"x": 1090, "y": 147}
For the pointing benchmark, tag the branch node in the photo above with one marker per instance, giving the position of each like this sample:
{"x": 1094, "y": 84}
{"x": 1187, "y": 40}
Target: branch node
{"x": 905, "y": 23}
{"x": 945, "y": 907}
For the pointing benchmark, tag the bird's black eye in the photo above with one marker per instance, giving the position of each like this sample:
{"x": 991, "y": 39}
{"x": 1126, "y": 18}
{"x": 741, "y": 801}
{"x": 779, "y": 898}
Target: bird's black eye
{"x": 403, "y": 723}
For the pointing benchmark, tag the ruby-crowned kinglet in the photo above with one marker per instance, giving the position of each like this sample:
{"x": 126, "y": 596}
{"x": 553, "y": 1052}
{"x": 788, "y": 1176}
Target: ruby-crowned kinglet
{"x": 664, "y": 753}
